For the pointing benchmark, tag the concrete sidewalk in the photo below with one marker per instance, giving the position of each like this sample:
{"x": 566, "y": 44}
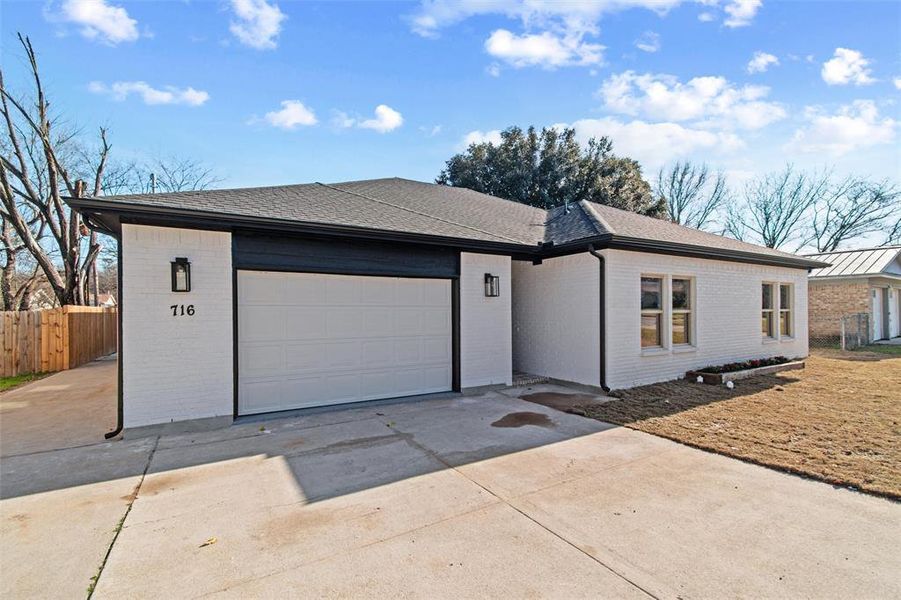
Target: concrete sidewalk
{"x": 484, "y": 496}
{"x": 67, "y": 409}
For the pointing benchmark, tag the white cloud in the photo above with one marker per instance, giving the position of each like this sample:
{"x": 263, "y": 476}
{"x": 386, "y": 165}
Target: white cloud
{"x": 852, "y": 127}
{"x": 655, "y": 144}
{"x": 386, "y": 119}
{"x": 707, "y": 101}
{"x": 706, "y": 17}
{"x": 99, "y": 20}
{"x": 291, "y": 114}
{"x": 847, "y": 66}
{"x": 555, "y": 33}
{"x": 897, "y": 82}
{"x": 544, "y": 49}
{"x": 257, "y": 23}
{"x": 481, "y": 137}
{"x": 434, "y": 15}
{"x": 121, "y": 90}
{"x": 648, "y": 41}
{"x": 741, "y": 12}
{"x": 430, "y": 131}
{"x": 493, "y": 69}
{"x": 761, "y": 61}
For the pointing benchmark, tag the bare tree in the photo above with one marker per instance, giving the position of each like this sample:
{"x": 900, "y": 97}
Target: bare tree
{"x": 776, "y": 207}
{"x": 852, "y": 208}
{"x": 172, "y": 174}
{"x": 893, "y": 233}
{"x": 38, "y": 166}
{"x": 693, "y": 195}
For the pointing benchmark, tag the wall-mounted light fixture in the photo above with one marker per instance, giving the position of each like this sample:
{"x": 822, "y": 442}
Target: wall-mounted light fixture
{"x": 181, "y": 275}
{"x": 492, "y": 285}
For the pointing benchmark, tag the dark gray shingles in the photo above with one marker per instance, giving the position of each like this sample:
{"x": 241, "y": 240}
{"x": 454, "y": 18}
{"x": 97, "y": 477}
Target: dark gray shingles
{"x": 632, "y": 225}
{"x": 402, "y": 205}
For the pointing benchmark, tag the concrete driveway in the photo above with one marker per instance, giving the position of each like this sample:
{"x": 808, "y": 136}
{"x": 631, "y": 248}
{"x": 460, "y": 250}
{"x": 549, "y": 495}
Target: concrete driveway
{"x": 464, "y": 497}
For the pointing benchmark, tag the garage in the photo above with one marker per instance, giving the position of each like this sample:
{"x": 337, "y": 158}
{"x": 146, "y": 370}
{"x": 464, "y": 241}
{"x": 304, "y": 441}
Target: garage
{"x": 315, "y": 339}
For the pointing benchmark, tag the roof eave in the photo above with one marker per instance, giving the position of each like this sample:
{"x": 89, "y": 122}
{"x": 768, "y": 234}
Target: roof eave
{"x": 93, "y": 209}
{"x": 661, "y": 247}
{"x": 98, "y": 211}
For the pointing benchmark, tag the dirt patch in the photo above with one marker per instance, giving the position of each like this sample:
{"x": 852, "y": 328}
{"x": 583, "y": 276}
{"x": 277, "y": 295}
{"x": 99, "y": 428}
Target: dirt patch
{"x": 569, "y": 403}
{"x": 521, "y": 419}
{"x": 839, "y": 420}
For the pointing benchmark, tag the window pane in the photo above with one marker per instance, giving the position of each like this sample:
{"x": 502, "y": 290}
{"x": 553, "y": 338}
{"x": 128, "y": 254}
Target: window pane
{"x": 784, "y": 322}
{"x": 681, "y": 328}
{"x": 785, "y": 296}
{"x": 767, "y": 295}
{"x": 650, "y": 330}
{"x": 767, "y": 324}
{"x": 681, "y": 293}
{"x": 651, "y": 291}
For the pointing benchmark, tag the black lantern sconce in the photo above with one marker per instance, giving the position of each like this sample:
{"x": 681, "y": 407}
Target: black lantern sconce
{"x": 181, "y": 275}
{"x": 492, "y": 285}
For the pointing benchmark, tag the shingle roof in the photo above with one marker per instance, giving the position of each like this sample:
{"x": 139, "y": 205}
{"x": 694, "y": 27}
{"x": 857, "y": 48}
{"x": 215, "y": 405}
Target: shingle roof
{"x": 863, "y": 262}
{"x": 402, "y": 205}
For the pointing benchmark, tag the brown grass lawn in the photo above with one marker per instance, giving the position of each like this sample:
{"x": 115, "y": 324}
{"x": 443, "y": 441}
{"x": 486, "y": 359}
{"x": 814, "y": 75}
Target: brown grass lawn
{"x": 839, "y": 420}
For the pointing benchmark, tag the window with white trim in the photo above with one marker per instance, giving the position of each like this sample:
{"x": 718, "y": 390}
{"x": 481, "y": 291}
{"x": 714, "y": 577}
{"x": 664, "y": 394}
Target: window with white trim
{"x": 682, "y": 306}
{"x": 785, "y": 310}
{"x": 768, "y": 305}
{"x": 651, "y": 312}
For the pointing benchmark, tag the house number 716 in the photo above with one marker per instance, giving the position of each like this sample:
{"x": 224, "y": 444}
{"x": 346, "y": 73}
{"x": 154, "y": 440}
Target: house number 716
{"x": 180, "y": 310}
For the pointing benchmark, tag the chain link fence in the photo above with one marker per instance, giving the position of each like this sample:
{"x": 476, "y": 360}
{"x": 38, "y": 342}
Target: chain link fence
{"x": 850, "y": 332}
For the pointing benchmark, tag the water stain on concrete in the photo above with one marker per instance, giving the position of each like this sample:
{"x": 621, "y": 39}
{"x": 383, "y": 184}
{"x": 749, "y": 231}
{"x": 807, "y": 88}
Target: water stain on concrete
{"x": 563, "y": 402}
{"x": 521, "y": 419}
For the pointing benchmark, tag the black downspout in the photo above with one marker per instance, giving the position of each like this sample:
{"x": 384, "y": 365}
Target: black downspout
{"x": 119, "y": 401}
{"x": 602, "y": 317}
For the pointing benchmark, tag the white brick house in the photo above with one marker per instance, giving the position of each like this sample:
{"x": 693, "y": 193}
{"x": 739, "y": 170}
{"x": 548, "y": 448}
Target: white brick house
{"x": 238, "y": 302}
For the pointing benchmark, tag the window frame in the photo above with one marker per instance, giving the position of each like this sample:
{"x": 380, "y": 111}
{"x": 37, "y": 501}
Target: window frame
{"x": 789, "y": 311}
{"x": 690, "y": 311}
{"x": 773, "y": 331}
{"x": 658, "y": 313}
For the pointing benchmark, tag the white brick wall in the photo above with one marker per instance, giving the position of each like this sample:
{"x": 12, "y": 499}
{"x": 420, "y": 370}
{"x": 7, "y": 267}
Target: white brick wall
{"x": 727, "y": 304}
{"x": 176, "y": 368}
{"x": 485, "y": 323}
{"x": 556, "y": 318}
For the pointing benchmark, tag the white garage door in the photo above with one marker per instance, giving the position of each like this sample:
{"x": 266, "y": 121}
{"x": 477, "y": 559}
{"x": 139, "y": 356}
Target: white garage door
{"x": 307, "y": 339}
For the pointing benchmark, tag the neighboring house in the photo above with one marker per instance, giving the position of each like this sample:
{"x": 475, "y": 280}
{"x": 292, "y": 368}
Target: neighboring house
{"x": 106, "y": 300}
{"x": 857, "y": 281}
{"x": 310, "y": 295}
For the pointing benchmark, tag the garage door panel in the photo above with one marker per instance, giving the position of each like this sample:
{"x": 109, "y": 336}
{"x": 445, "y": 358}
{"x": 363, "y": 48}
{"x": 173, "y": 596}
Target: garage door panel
{"x": 377, "y": 353}
{"x": 304, "y": 323}
{"x": 435, "y": 321}
{"x": 307, "y": 292}
{"x": 313, "y": 339}
{"x": 435, "y": 349}
{"x": 260, "y": 360}
{"x": 409, "y": 321}
{"x": 303, "y": 358}
{"x": 343, "y": 291}
{"x": 261, "y": 323}
{"x": 343, "y": 322}
{"x": 261, "y": 288}
{"x": 377, "y": 322}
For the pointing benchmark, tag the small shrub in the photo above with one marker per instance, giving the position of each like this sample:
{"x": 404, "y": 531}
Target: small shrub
{"x": 746, "y": 364}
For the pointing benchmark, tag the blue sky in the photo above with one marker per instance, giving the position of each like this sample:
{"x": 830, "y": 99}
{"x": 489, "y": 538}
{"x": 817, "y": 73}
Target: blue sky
{"x": 270, "y": 92}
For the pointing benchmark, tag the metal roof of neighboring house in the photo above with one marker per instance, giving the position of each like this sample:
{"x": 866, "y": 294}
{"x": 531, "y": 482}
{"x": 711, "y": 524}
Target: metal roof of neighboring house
{"x": 853, "y": 263}
{"x": 404, "y": 207}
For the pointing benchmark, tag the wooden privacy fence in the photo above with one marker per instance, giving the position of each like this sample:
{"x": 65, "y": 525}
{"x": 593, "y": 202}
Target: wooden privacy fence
{"x": 55, "y": 339}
